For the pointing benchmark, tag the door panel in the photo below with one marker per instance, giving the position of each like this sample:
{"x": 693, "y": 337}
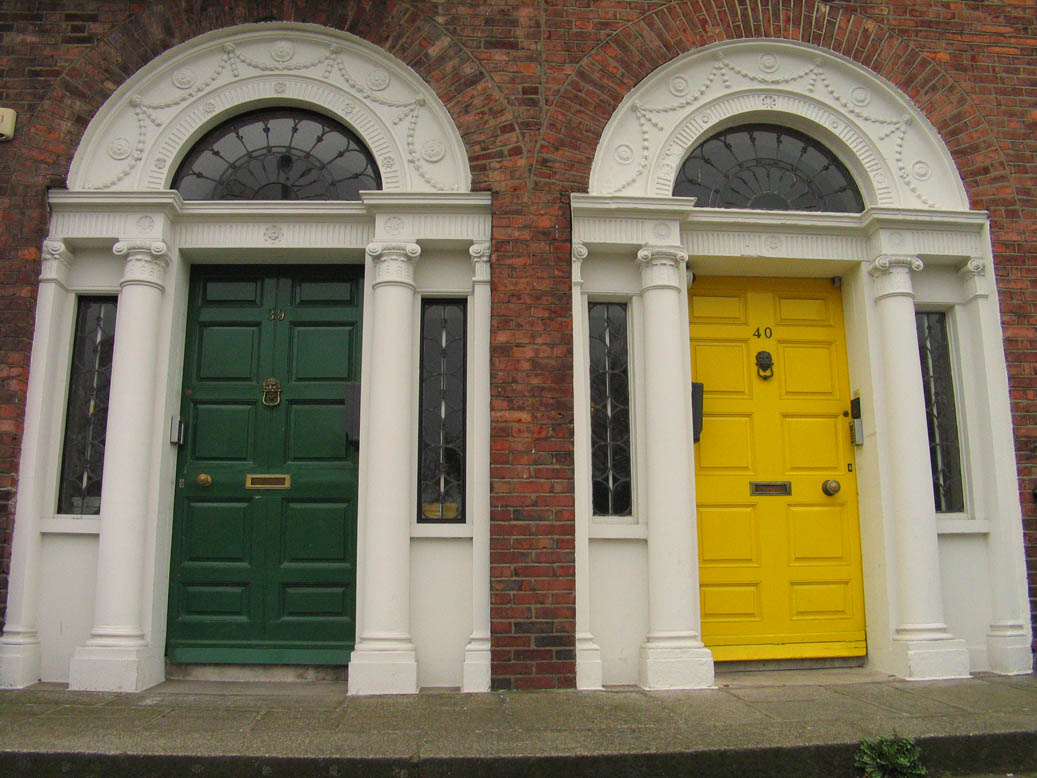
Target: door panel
{"x": 267, "y": 575}
{"x": 780, "y": 573}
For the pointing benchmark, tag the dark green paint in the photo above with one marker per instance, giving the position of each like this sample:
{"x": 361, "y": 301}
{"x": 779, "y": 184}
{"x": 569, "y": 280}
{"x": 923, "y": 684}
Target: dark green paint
{"x": 267, "y": 576}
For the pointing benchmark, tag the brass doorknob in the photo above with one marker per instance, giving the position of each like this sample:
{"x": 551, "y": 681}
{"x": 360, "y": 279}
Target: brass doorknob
{"x": 203, "y": 479}
{"x": 831, "y": 487}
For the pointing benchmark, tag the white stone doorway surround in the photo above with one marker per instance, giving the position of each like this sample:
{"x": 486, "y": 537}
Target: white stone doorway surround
{"x": 88, "y": 595}
{"x": 945, "y": 594}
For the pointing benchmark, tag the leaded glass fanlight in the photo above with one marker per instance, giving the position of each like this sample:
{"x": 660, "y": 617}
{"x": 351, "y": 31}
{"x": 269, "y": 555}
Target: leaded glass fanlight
{"x": 766, "y": 167}
{"x": 278, "y": 154}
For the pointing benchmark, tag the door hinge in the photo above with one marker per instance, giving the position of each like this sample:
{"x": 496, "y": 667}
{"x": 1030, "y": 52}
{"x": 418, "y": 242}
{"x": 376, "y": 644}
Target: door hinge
{"x": 176, "y": 431}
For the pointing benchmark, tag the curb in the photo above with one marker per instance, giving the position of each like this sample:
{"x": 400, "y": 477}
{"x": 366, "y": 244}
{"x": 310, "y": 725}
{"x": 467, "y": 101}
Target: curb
{"x": 943, "y": 755}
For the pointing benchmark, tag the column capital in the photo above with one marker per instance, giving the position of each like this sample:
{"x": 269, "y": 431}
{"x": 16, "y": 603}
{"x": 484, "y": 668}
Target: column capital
{"x": 973, "y": 278}
{"x": 579, "y": 254}
{"x": 394, "y": 262}
{"x": 661, "y": 266}
{"x": 146, "y": 262}
{"x": 480, "y": 254}
{"x": 57, "y": 261}
{"x": 892, "y": 274}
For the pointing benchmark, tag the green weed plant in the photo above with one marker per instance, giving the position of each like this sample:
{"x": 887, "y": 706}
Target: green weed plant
{"x": 889, "y": 757}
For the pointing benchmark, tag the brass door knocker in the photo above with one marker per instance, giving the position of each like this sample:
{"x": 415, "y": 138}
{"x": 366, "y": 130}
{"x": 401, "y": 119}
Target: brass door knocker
{"x": 271, "y": 393}
{"x": 764, "y": 365}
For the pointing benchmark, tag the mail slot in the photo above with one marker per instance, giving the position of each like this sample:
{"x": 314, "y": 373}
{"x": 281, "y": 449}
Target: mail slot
{"x": 770, "y": 488}
{"x": 268, "y": 481}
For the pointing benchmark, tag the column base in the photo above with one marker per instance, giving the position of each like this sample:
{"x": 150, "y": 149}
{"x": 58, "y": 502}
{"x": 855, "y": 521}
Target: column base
{"x": 19, "y": 660}
{"x": 383, "y": 671}
{"x": 588, "y": 663}
{"x": 476, "y": 671}
{"x": 1008, "y": 651}
{"x": 930, "y": 660}
{"x": 113, "y": 668}
{"x": 666, "y": 664}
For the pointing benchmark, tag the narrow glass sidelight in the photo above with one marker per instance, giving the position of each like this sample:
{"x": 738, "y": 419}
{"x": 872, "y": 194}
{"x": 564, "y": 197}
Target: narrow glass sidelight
{"x": 86, "y": 416}
{"x": 610, "y": 409}
{"x": 941, "y": 415}
{"x": 441, "y": 436}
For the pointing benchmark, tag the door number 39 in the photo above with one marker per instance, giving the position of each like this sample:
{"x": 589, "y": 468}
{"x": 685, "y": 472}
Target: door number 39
{"x": 766, "y": 332}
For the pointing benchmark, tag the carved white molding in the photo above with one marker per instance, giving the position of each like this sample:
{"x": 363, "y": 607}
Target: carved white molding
{"x": 144, "y": 129}
{"x": 624, "y": 223}
{"x": 305, "y": 230}
{"x": 146, "y": 262}
{"x": 394, "y": 262}
{"x": 891, "y": 275}
{"x": 973, "y": 276}
{"x": 480, "y": 254}
{"x": 579, "y": 253}
{"x": 661, "y": 266}
{"x": 894, "y": 153}
{"x": 57, "y": 261}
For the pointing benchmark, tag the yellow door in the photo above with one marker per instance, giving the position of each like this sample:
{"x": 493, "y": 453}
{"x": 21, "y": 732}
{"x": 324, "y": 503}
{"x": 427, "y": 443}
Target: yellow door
{"x": 779, "y": 559}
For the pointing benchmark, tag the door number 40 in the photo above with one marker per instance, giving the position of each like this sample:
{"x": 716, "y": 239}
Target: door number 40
{"x": 766, "y": 332}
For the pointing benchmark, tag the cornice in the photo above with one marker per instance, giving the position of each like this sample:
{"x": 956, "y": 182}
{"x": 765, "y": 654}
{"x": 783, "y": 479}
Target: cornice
{"x": 596, "y": 205}
{"x": 168, "y": 202}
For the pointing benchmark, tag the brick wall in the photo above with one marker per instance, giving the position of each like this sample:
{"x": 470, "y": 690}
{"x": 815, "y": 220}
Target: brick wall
{"x": 531, "y": 86}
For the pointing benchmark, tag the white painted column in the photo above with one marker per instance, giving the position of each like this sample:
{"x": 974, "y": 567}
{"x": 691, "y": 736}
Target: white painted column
{"x": 588, "y": 654}
{"x": 384, "y": 660}
{"x": 997, "y": 498}
{"x": 115, "y": 658}
{"x": 922, "y": 645}
{"x": 20, "y": 643}
{"x": 476, "y": 671}
{"x": 673, "y": 655}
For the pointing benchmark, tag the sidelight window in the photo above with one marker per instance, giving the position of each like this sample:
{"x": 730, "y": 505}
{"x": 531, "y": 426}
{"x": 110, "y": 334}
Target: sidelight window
{"x": 86, "y": 415}
{"x": 610, "y": 409}
{"x": 441, "y": 435}
{"x": 940, "y": 413}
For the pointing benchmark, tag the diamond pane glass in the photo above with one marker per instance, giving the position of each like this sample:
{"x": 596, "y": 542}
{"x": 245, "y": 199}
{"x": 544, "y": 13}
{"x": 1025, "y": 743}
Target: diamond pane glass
{"x": 86, "y": 417}
{"x": 278, "y": 154}
{"x": 940, "y": 414}
{"x": 610, "y": 410}
{"x": 441, "y": 439}
{"x": 766, "y": 167}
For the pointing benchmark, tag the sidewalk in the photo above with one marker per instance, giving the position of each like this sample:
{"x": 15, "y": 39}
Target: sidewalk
{"x": 798, "y": 724}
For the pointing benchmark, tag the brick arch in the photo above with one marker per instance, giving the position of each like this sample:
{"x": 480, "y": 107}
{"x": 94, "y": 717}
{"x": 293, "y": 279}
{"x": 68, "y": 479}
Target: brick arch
{"x": 474, "y": 101}
{"x": 597, "y": 84}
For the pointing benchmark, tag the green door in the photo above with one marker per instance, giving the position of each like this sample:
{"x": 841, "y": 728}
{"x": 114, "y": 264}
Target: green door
{"x": 263, "y": 565}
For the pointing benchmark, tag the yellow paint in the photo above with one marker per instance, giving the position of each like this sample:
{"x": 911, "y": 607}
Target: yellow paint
{"x": 780, "y": 575}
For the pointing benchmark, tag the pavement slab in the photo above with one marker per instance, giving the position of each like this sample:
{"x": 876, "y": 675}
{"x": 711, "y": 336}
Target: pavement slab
{"x": 752, "y": 724}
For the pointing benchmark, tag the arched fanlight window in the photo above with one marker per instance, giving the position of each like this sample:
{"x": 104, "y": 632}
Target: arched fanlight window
{"x": 278, "y": 154}
{"x": 766, "y": 167}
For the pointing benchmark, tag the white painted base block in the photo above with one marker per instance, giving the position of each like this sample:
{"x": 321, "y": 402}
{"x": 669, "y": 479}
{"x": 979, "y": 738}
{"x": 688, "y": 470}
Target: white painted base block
{"x": 1010, "y": 654}
{"x": 588, "y": 664}
{"x": 19, "y": 662}
{"x": 930, "y": 660}
{"x": 383, "y": 672}
{"x": 115, "y": 669}
{"x": 675, "y": 668}
{"x": 475, "y": 675}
